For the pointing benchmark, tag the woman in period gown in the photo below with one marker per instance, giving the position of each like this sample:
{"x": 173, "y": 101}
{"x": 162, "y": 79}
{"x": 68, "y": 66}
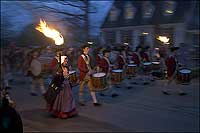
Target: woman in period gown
{"x": 64, "y": 103}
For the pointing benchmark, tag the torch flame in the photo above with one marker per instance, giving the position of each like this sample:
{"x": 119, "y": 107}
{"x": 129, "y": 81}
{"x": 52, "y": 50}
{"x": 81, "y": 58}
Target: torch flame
{"x": 50, "y": 32}
{"x": 163, "y": 39}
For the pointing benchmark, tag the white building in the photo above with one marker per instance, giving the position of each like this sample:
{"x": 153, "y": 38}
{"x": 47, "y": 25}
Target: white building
{"x": 141, "y": 22}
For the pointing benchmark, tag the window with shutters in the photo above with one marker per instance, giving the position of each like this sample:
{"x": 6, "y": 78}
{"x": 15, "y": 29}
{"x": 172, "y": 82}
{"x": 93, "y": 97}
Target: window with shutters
{"x": 114, "y": 13}
{"x": 148, "y": 9}
{"x": 129, "y": 10}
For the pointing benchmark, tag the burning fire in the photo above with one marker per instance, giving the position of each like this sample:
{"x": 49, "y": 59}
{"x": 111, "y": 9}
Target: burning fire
{"x": 163, "y": 39}
{"x": 50, "y": 32}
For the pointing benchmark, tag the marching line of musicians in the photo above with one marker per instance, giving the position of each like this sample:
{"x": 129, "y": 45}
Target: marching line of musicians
{"x": 103, "y": 76}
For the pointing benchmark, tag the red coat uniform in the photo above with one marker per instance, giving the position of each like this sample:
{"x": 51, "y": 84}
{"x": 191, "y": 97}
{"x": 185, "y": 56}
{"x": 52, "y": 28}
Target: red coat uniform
{"x": 98, "y": 60}
{"x": 105, "y": 65}
{"x": 121, "y": 62}
{"x": 170, "y": 62}
{"x": 54, "y": 63}
{"x": 135, "y": 58}
{"x": 144, "y": 56}
{"x": 82, "y": 66}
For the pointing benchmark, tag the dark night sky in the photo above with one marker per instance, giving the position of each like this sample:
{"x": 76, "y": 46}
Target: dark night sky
{"x": 19, "y": 17}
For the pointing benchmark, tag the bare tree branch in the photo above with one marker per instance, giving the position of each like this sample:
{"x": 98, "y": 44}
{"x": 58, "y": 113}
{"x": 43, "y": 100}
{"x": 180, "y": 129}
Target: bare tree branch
{"x": 79, "y": 19}
{"x": 70, "y": 4}
{"x": 54, "y": 10}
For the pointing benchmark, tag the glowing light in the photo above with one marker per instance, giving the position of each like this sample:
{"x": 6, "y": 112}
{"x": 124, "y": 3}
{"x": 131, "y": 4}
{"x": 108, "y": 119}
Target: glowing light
{"x": 145, "y": 33}
{"x": 50, "y": 32}
{"x": 125, "y": 43}
{"x": 90, "y": 42}
{"x": 163, "y": 39}
{"x": 169, "y": 11}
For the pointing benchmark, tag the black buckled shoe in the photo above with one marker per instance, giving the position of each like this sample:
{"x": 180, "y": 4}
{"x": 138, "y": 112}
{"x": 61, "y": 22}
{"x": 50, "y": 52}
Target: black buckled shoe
{"x": 33, "y": 94}
{"x": 166, "y": 93}
{"x": 101, "y": 94}
{"x": 182, "y": 93}
{"x": 96, "y": 104}
{"x": 129, "y": 87}
{"x": 82, "y": 104}
{"x": 114, "y": 95}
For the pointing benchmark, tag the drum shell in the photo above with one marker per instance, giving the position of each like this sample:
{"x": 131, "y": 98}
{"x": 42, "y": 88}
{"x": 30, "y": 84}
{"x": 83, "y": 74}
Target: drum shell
{"x": 116, "y": 77}
{"x": 183, "y": 78}
{"x": 73, "y": 78}
{"x": 147, "y": 68}
{"x": 99, "y": 83}
{"x": 155, "y": 66}
{"x": 131, "y": 70}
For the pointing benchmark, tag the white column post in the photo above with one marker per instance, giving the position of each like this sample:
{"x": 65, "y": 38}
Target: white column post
{"x": 135, "y": 38}
{"x": 118, "y": 37}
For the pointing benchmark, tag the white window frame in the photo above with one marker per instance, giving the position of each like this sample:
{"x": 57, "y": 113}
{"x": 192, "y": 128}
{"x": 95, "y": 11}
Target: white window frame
{"x": 114, "y": 13}
{"x": 129, "y": 8}
{"x": 148, "y": 5}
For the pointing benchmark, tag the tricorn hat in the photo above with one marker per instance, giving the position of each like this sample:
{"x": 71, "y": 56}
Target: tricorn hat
{"x": 173, "y": 48}
{"x": 85, "y": 45}
{"x": 106, "y": 51}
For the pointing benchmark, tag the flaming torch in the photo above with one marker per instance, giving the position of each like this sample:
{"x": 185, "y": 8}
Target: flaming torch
{"x": 51, "y": 33}
{"x": 163, "y": 39}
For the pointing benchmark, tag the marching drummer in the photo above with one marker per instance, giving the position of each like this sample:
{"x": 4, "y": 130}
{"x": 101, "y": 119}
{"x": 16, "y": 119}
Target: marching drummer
{"x": 84, "y": 66}
{"x": 147, "y": 53}
{"x": 121, "y": 59}
{"x": 144, "y": 56}
{"x": 140, "y": 57}
{"x": 134, "y": 58}
{"x": 36, "y": 69}
{"x": 98, "y": 57}
{"x": 172, "y": 67}
{"x": 138, "y": 52}
{"x": 106, "y": 68}
{"x": 122, "y": 64}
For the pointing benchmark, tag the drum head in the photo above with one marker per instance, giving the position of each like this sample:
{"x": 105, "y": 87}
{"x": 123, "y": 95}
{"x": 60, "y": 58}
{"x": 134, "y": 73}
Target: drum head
{"x": 98, "y": 75}
{"x": 131, "y": 62}
{"x": 156, "y": 62}
{"x": 185, "y": 71}
{"x": 147, "y": 63}
{"x": 132, "y": 65}
{"x": 117, "y": 71}
{"x": 71, "y": 72}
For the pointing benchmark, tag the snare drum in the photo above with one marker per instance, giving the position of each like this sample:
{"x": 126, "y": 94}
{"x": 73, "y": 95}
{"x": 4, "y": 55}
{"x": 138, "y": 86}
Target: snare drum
{"x": 131, "y": 69}
{"x": 99, "y": 81}
{"x": 116, "y": 75}
{"x": 147, "y": 66}
{"x": 72, "y": 77}
{"x": 183, "y": 76}
{"x": 155, "y": 65}
{"x": 45, "y": 62}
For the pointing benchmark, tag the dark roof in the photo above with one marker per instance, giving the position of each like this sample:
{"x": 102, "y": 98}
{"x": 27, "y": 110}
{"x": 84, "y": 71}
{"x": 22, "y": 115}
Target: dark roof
{"x": 157, "y": 18}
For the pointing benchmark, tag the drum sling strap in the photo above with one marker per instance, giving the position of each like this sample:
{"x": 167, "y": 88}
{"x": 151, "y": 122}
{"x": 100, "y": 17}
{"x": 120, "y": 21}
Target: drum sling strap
{"x": 108, "y": 63}
{"x": 123, "y": 59}
{"x": 86, "y": 58}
